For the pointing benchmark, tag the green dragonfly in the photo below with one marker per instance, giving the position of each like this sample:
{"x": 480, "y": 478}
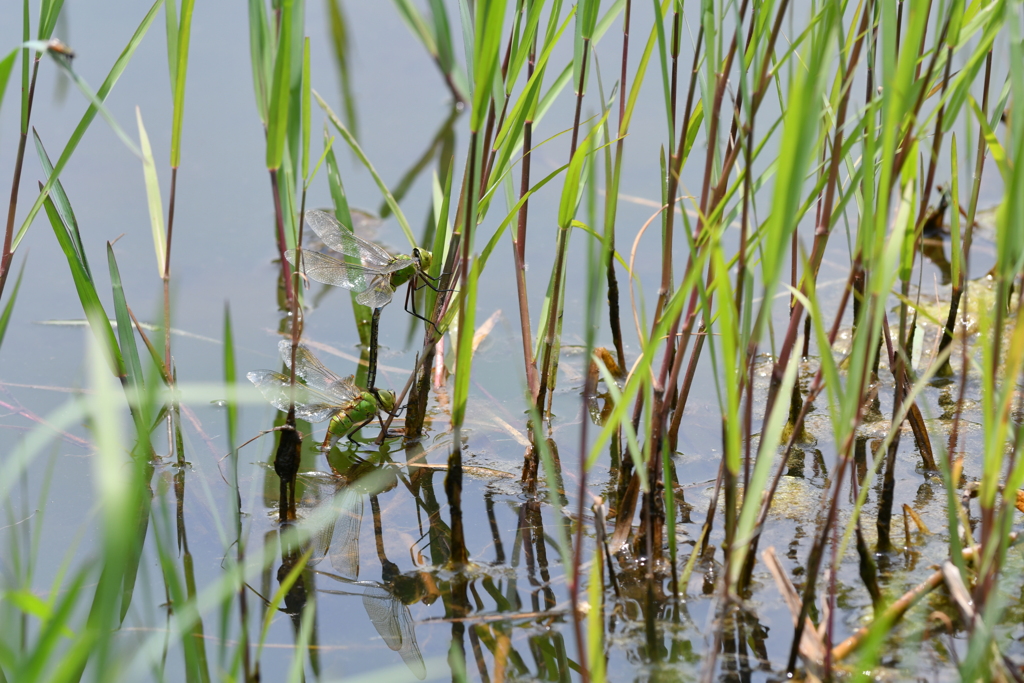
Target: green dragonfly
{"x": 323, "y": 396}
{"x": 374, "y": 279}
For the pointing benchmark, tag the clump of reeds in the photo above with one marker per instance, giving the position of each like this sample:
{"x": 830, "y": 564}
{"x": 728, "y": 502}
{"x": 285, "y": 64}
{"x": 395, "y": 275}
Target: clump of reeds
{"x": 800, "y": 123}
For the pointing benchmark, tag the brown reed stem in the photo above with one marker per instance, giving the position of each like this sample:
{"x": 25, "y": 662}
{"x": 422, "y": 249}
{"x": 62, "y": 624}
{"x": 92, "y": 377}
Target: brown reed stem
{"x": 8, "y": 254}
{"x": 282, "y": 244}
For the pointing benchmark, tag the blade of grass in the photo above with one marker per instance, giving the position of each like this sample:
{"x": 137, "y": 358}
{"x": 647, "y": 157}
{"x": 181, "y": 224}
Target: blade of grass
{"x": 280, "y": 87}
{"x": 156, "y": 208}
{"x": 5, "y": 318}
{"x": 99, "y": 323}
{"x": 178, "y": 76}
{"x": 347, "y": 136}
{"x": 6, "y": 66}
{"x": 115, "y": 73}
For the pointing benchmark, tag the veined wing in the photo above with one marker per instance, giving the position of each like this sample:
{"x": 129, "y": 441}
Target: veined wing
{"x": 316, "y": 374}
{"x": 379, "y": 295}
{"x": 393, "y": 622}
{"x": 315, "y": 510}
{"x": 311, "y": 404}
{"x": 342, "y": 240}
{"x": 332, "y": 271}
{"x": 344, "y": 555}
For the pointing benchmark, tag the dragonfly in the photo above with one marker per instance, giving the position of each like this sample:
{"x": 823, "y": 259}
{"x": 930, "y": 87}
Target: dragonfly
{"x": 387, "y": 601}
{"x": 374, "y": 279}
{"x": 323, "y": 395}
{"x": 331, "y": 508}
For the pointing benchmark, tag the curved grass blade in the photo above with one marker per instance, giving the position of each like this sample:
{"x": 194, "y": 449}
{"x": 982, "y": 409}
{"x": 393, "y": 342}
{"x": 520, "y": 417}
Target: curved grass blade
{"x": 6, "y": 66}
{"x": 5, "y": 318}
{"x": 65, "y": 63}
{"x": 277, "y": 118}
{"x": 180, "y": 70}
{"x": 129, "y": 349}
{"x": 63, "y": 204}
{"x": 94, "y": 313}
{"x": 360, "y": 312}
{"x": 156, "y": 209}
{"x": 115, "y": 73}
{"x": 388, "y": 197}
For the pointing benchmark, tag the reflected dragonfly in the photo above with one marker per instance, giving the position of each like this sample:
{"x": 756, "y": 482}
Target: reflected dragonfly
{"x": 331, "y": 510}
{"x": 387, "y": 601}
{"x": 387, "y": 605}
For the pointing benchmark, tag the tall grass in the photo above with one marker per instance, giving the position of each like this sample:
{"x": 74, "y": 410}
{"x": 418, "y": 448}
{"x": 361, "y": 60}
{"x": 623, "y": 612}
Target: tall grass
{"x": 792, "y": 124}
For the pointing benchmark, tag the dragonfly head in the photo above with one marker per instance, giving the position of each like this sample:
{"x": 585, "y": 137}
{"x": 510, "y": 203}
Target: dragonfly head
{"x": 386, "y": 400}
{"x": 424, "y": 258}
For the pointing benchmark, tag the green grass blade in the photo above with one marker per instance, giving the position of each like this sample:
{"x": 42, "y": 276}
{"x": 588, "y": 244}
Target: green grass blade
{"x": 282, "y": 590}
{"x": 126, "y": 335}
{"x": 6, "y": 66}
{"x": 156, "y": 208}
{"x": 171, "y": 29}
{"x": 54, "y": 629}
{"x": 180, "y": 73}
{"x": 49, "y": 10}
{"x": 595, "y": 619}
{"x": 344, "y": 215}
{"x": 63, "y": 204}
{"x": 280, "y": 87}
{"x": 94, "y": 313}
{"x": 443, "y": 37}
{"x": 26, "y": 33}
{"x": 307, "y": 105}
{"x": 418, "y": 25}
{"x": 230, "y": 379}
{"x": 766, "y": 451}
{"x": 572, "y": 189}
{"x": 388, "y": 197}
{"x": 260, "y": 56}
{"x": 115, "y": 73}
{"x": 5, "y": 317}
{"x": 65, "y": 64}
{"x": 490, "y": 16}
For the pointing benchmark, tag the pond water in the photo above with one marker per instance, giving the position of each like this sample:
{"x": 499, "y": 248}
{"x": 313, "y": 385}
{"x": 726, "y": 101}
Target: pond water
{"x": 386, "y": 608}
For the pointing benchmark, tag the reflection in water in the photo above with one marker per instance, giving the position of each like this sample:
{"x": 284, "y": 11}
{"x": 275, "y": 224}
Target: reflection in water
{"x": 332, "y": 510}
{"x": 386, "y": 602}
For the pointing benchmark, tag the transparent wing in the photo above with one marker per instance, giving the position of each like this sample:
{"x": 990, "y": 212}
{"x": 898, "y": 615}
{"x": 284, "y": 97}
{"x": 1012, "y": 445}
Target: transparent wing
{"x": 315, "y": 509}
{"x": 342, "y": 240}
{"x": 394, "y": 624}
{"x": 332, "y": 271}
{"x": 317, "y": 375}
{"x": 345, "y": 542}
{"x": 310, "y": 404}
{"x": 379, "y": 295}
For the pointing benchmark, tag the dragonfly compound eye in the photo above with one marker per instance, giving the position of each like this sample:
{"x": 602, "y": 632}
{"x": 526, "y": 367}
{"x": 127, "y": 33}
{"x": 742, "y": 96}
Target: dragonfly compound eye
{"x": 424, "y": 257}
{"x": 386, "y": 399}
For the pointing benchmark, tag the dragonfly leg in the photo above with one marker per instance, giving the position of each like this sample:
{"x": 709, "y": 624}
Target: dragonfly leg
{"x": 410, "y": 304}
{"x": 357, "y": 428}
{"x": 384, "y": 430}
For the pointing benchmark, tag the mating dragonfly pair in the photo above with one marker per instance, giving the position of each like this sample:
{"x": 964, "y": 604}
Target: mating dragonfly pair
{"x": 374, "y": 280}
